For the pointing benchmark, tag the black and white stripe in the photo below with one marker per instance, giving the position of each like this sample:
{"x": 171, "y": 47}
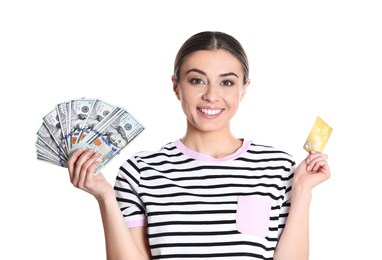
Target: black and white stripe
{"x": 191, "y": 204}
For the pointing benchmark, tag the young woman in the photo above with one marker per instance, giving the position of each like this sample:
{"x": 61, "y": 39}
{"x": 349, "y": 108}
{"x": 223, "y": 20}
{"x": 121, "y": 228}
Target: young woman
{"x": 209, "y": 194}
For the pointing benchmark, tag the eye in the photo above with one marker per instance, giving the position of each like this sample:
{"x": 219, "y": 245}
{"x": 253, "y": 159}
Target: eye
{"x": 227, "y": 83}
{"x": 196, "y": 81}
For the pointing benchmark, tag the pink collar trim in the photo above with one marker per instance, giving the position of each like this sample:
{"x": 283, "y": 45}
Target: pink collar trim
{"x": 204, "y": 157}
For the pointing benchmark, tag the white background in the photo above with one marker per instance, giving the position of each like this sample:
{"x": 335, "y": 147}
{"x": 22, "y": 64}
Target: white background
{"x": 307, "y": 59}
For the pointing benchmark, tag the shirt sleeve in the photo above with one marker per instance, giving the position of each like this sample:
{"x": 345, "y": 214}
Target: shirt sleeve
{"x": 285, "y": 206}
{"x": 126, "y": 189}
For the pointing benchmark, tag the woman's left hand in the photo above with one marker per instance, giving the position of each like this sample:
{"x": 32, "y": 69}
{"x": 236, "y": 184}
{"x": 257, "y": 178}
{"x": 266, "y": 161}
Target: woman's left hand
{"x": 313, "y": 170}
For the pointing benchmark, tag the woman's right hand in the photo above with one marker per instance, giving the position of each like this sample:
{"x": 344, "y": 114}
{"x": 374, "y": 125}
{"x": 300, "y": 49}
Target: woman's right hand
{"x": 81, "y": 166}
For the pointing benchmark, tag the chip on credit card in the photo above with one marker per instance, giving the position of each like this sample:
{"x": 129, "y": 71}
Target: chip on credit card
{"x": 318, "y": 136}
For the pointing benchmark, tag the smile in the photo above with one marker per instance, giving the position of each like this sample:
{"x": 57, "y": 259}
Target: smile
{"x": 210, "y": 112}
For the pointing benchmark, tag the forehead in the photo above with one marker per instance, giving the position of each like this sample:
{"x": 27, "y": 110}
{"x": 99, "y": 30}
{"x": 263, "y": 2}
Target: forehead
{"x": 221, "y": 61}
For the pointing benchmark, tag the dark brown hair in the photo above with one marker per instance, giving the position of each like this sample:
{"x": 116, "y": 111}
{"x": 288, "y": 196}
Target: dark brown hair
{"x": 211, "y": 40}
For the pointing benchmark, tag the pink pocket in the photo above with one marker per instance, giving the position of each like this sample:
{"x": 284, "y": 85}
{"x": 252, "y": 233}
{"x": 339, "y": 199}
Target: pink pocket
{"x": 252, "y": 215}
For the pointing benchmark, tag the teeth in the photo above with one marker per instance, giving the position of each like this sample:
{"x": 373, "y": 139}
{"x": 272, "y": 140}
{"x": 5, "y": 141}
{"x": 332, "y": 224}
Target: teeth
{"x": 210, "y": 112}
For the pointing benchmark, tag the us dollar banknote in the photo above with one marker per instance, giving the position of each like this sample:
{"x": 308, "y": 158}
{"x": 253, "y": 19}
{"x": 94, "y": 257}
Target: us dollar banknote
{"x": 79, "y": 111}
{"x": 86, "y": 124}
{"x": 109, "y": 139}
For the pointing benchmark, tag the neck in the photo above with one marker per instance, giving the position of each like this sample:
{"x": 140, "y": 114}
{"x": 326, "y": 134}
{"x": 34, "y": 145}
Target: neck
{"x": 212, "y": 144}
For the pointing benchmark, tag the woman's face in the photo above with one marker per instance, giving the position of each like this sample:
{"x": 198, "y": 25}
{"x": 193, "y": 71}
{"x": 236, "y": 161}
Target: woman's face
{"x": 210, "y": 89}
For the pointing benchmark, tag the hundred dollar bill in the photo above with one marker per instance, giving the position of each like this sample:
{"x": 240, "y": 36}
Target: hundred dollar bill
{"x": 112, "y": 138}
{"x": 47, "y": 138}
{"x": 86, "y": 124}
{"x": 48, "y": 153}
{"x": 68, "y": 127}
{"x": 79, "y": 111}
{"x": 44, "y": 158}
{"x": 44, "y": 148}
{"x": 100, "y": 115}
{"x": 105, "y": 123}
{"x": 52, "y": 122}
{"x": 63, "y": 117}
{"x": 45, "y": 153}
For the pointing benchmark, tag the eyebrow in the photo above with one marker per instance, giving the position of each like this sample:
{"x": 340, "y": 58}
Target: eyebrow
{"x": 205, "y": 74}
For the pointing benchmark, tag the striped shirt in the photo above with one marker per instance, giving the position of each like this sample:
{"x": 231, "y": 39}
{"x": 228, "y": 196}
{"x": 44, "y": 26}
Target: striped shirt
{"x": 199, "y": 207}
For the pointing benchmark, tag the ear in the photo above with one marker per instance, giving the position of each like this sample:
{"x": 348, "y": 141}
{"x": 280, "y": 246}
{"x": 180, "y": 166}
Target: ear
{"x": 245, "y": 86}
{"x": 175, "y": 87}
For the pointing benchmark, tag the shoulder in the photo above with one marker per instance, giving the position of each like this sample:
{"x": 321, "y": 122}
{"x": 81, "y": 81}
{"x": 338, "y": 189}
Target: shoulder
{"x": 268, "y": 151}
{"x": 142, "y": 159}
{"x": 169, "y": 149}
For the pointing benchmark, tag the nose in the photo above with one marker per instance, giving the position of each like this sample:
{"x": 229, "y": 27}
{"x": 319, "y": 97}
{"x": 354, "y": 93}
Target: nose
{"x": 211, "y": 94}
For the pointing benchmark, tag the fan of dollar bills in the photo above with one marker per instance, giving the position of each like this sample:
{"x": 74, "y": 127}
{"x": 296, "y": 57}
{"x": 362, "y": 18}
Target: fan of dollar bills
{"x": 86, "y": 124}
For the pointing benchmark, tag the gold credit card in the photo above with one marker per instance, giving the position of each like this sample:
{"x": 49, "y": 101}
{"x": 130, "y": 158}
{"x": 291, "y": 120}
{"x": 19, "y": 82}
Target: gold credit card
{"x": 318, "y": 136}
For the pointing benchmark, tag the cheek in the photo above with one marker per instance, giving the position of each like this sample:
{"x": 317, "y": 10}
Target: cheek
{"x": 188, "y": 96}
{"x": 181, "y": 94}
{"x": 234, "y": 100}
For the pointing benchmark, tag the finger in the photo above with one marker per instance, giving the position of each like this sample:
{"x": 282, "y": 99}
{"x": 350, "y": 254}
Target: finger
{"x": 89, "y": 176}
{"x": 72, "y": 160}
{"x": 314, "y": 155}
{"x": 87, "y": 170}
{"x": 318, "y": 164}
{"x": 324, "y": 169}
{"x": 78, "y": 166}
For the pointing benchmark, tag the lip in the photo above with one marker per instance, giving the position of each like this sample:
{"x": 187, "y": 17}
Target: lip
{"x": 213, "y": 111}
